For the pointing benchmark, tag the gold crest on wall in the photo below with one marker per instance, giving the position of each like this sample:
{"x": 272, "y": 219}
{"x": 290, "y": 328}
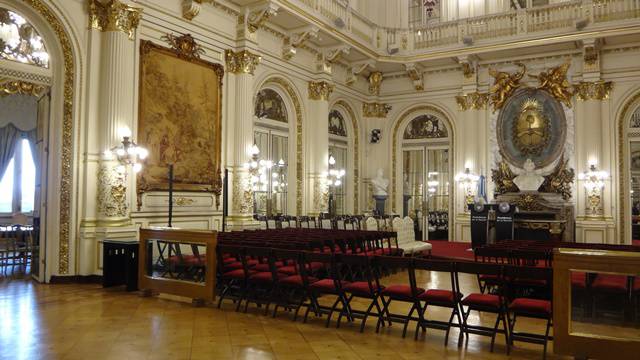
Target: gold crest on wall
{"x": 179, "y": 120}
{"x": 531, "y": 128}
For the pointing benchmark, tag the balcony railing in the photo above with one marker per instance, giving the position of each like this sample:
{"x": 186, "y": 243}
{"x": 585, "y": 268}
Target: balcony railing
{"x": 544, "y": 20}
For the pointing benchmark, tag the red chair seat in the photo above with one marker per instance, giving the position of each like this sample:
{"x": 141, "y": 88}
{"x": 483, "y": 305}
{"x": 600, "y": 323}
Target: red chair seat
{"x": 296, "y": 281}
{"x": 387, "y": 251}
{"x": 530, "y": 282}
{"x": 610, "y": 283}
{"x": 360, "y": 288}
{"x": 400, "y": 291}
{"x": 252, "y": 262}
{"x": 438, "y": 296}
{"x": 262, "y": 267}
{"x": 228, "y": 260}
{"x": 315, "y": 265}
{"x": 263, "y": 277}
{"x": 233, "y": 266}
{"x": 325, "y": 286}
{"x": 531, "y": 306}
{"x": 482, "y": 300}
{"x": 187, "y": 260}
{"x": 235, "y": 274}
{"x": 288, "y": 270}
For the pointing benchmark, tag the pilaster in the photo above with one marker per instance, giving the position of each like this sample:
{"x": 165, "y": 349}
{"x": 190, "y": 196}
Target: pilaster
{"x": 240, "y": 68}
{"x": 318, "y": 145}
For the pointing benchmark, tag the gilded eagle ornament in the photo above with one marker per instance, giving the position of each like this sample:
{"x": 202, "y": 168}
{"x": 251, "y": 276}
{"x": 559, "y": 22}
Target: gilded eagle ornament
{"x": 555, "y": 82}
{"x": 504, "y": 85}
{"x": 531, "y": 130}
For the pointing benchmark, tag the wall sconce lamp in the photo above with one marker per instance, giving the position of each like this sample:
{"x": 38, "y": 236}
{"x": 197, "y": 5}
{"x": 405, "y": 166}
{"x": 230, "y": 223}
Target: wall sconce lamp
{"x": 128, "y": 153}
{"x": 468, "y": 181}
{"x": 593, "y": 184}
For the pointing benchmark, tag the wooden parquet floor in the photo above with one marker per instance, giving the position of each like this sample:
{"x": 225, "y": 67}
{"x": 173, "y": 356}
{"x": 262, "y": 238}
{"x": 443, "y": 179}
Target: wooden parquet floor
{"x": 84, "y": 321}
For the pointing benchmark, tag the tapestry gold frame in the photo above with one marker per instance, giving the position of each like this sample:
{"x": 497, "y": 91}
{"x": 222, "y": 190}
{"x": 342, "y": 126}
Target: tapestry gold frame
{"x": 146, "y": 47}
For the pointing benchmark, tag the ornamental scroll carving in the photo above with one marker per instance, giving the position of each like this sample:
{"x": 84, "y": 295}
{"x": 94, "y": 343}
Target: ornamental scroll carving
{"x": 320, "y": 90}
{"x": 475, "y": 100}
{"x": 375, "y": 110}
{"x": 185, "y": 46}
{"x": 502, "y": 178}
{"x": 560, "y": 179}
{"x": 241, "y": 62}
{"x": 112, "y": 197}
{"x": 11, "y": 87}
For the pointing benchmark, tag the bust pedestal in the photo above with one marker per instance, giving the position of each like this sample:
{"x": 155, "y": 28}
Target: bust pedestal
{"x": 380, "y": 200}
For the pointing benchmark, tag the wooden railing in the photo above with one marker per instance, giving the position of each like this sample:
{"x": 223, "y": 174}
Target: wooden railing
{"x": 592, "y": 340}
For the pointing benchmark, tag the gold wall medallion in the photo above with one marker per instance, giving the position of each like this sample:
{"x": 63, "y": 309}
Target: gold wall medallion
{"x": 375, "y": 110}
{"x": 114, "y": 16}
{"x": 472, "y": 101}
{"x": 531, "y": 128}
{"x": 504, "y": 85}
{"x": 241, "y": 62}
{"x": 320, "y": 90}
{"x": 598, "y": 90}
{"x": 555, "y": 83}
{"x": 11, "y": 87}
{"x": 185, "y": 46}
{"x": 66, "y": 160}
{"x": 560, "y": 179}
{"x": 502, "y": 178}
{"x": 375, "y": 82}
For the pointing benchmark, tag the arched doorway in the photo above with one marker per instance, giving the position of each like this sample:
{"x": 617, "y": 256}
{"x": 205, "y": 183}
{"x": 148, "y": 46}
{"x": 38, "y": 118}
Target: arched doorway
{"x": 422, "y": 179}
{"x": 629, "y": 170}
{"x": 54, "y": 152}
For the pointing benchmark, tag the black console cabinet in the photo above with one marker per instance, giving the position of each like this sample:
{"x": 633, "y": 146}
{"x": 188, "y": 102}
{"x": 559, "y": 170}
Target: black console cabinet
{"x": 120, "y": 264}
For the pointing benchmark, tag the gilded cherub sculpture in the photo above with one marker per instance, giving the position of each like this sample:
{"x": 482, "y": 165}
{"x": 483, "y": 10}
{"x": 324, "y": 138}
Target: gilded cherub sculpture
{"x": 555, "y": 82}
{"x": 504, "y": 85}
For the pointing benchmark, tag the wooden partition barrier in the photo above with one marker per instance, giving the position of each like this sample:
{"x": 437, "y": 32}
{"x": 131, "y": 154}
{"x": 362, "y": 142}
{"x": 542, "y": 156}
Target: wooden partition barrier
{"x": 593, "y": 340}
{"x": 151, "y": 280}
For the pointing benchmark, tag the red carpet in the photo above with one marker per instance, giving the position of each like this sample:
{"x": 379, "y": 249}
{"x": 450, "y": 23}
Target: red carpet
{"x": 635, "y": 242}
{"x": 451, "y": 250}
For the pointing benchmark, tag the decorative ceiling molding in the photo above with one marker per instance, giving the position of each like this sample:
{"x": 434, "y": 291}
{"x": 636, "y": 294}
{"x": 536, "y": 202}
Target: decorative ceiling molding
{"x": 296, "y": 40}
{"x": 257, "y": 17}
{"x": 358, "y": 68}
{"x": 415, "y": 74}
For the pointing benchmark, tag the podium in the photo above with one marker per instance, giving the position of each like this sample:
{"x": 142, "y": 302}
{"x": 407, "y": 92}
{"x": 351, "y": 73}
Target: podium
{"x": 479, "y": 224}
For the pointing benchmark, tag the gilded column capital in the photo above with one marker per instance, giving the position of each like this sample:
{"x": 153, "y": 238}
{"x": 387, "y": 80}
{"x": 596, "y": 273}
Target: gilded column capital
{"x": 241, "y": 62}
{"x": 375, "y": 110}
{"x": 475, "y": 100}
{"x": 320, "y": 90}
{"x": 598, "y": 90}
{"x": 114, "y": 16}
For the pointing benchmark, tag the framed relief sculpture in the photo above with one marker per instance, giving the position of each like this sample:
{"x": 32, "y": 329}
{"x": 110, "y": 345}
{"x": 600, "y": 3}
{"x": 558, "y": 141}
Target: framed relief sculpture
{"x": 179, "y": 117}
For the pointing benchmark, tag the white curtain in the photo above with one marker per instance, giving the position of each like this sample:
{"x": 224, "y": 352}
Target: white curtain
{"x": 9, "y": 137}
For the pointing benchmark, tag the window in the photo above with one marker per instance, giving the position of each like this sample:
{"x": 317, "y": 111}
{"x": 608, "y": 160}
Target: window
{"x": 339, "y": 153}
{"x": 17, "y": 186}
{"x": 19, "y": 41}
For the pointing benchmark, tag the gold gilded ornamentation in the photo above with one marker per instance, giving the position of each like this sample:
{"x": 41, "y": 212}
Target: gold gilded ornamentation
{"x": 114, "y": 16}
{"x": 425, "y": 126}
{"x": 475, "y": 100}
{"x": 468, "y": 70}
{"x": 504, "y": 85}
{"x": 531, "y": 130}
{"x": 529, "y": 202}
{"x": 241, "y": 62}
{"x": 598, "y": 90}
{"x": 183, "y": 201}
{"x": 555, "y": 83}
{"x": 560, "y": 180}
{"x": 375, "y": 81}
{"x": 185, "y": 46}
{"x": 375, "y": 110}
{"x": 394, "y": 147}
{"x": 242, "y": 193}
{"x": 356, "y": 155}
{"x": 502, "y": 178}
{"x": 112, "y": 193}
{"x": 320, "y": 90}
{"x": 590, "y": 55}
{"x": 416, "y": 76}
{"x": 66, "y": 182}
{"x": 10, "y": 87}
{"x": 191, "y": 8}
{"x": 299, "y": 158}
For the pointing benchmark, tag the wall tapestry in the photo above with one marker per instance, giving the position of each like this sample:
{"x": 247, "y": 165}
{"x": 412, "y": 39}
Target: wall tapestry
{"x": 269, "y": 105}
{"x": 531, "y": 125}
{"x": 425, "y": 127}
{"x": 336, "y": 123}
{"x": 179, "y": 118}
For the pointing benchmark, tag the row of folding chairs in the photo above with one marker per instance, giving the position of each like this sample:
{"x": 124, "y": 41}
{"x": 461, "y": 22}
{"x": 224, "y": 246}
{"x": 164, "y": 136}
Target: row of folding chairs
{"x": 296, "y": 280}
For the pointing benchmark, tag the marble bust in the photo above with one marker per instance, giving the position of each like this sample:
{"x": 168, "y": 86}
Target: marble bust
{"x": 529, "y": 179}
{"x": 380, "y": 184}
